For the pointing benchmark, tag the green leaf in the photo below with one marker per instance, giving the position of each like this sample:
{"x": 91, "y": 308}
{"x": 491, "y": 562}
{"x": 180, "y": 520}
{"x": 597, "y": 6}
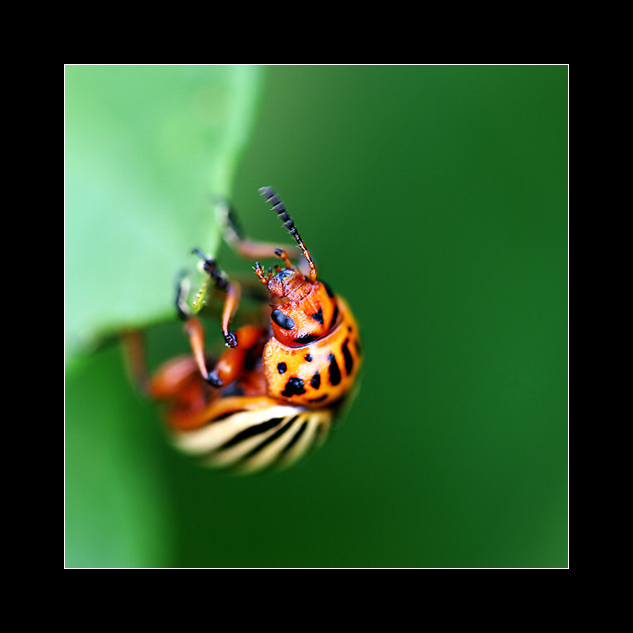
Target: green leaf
{"x": 147, "y": 148}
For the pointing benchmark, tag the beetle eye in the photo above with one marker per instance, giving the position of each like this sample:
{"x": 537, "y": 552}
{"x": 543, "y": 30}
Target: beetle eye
{"x": 282, "y": 320}
{"x": 283, "y": 274}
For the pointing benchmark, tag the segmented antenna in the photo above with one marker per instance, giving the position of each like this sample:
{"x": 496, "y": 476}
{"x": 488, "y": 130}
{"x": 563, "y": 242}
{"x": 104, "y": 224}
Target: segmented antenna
{"x": 278, "y": 207}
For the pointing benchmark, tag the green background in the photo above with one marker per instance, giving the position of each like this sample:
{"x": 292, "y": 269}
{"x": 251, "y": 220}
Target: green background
{"x": 434, "y": 198}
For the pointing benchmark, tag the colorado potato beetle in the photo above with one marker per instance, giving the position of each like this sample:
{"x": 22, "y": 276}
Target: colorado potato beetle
{"x": 273, "y": 394}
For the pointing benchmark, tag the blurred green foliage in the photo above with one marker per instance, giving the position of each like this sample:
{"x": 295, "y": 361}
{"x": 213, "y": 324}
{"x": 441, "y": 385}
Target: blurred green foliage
{"x": 434, "y": 198}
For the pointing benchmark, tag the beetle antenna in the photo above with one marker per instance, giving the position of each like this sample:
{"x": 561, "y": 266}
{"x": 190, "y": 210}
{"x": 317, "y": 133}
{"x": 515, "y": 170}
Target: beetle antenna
{"x": 278, "y": 207}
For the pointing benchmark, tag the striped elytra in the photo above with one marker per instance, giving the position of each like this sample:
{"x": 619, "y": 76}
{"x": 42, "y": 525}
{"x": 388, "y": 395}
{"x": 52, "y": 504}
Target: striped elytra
{"x": 247, "y": 442}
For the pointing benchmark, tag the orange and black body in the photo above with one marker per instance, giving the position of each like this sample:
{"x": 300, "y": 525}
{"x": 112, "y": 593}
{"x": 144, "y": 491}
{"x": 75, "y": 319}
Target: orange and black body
{"x": 318, "y": 373}
{"x": 272, "y": 396}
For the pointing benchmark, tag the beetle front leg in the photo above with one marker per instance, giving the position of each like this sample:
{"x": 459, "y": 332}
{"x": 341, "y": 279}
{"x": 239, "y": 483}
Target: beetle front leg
{"x": 232, "y": 295}
{"x": 231, "y": 363}
{"x": 233, "y": 360}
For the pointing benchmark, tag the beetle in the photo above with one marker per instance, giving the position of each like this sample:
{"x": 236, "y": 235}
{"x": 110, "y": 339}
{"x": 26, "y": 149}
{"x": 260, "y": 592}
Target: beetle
{"x": 275, "y": 392}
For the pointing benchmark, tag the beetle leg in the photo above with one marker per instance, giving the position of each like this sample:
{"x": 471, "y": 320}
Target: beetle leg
{"x": 195, "y": 331}
{"x": 232, "y": 362}
{"x": 133, "y": 343}
{"x": 231, "y": 300}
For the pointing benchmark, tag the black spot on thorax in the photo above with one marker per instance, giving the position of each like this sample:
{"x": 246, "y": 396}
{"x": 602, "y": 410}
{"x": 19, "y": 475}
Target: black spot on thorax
{"x": 349, "y": 361}
{"x": 335, "y": 372}
{"x": 306, "y": 338}
{"x": 334, "y": 317}
{"x": 294, "y": 387}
